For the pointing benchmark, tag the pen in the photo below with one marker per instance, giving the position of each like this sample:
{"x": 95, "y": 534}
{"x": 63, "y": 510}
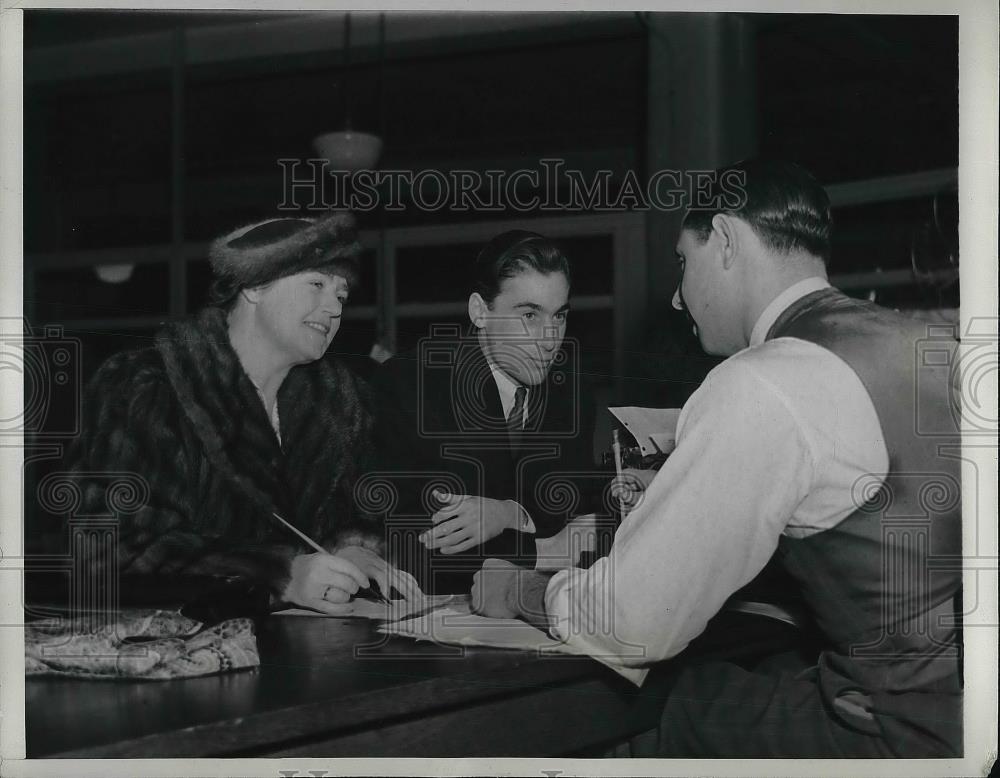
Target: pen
{"x": 616, "y": 447}
{"x": 373, "y": 588}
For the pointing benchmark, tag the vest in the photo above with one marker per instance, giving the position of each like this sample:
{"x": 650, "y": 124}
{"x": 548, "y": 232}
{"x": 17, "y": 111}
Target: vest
{"x": 884, "y": 584}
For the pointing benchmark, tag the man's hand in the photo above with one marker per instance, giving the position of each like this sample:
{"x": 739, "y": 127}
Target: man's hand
{"x": 631, "y": 487}
{"x": 464, "y": 522}
{"x": 494, "y": 590}
{"x": 377, "y": 569}
{"x": 502, "y": 590}
{"x": 324, "y": 583}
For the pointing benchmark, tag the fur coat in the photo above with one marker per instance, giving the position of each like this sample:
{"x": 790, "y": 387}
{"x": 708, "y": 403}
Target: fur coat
{"x": 185, "y": 417}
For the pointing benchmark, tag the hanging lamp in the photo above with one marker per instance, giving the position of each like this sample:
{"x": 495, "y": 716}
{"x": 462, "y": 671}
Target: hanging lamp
{"x": 348, "y": 150}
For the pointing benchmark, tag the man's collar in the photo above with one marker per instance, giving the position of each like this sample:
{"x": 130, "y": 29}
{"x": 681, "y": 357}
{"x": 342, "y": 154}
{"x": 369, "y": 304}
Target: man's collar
{"x": 778, "y": 305}
{"x": 507, "y": 385}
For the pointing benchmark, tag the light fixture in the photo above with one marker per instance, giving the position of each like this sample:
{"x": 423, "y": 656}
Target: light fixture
{"x": 348, "y": 150}
{"x": 114, "y": 274}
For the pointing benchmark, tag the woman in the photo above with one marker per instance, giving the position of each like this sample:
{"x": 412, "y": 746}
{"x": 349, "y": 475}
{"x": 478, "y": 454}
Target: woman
{"x": 234, "y": 416}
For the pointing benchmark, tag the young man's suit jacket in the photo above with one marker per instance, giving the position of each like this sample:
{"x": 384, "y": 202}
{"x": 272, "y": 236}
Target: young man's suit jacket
{"x": 441, "y": 424}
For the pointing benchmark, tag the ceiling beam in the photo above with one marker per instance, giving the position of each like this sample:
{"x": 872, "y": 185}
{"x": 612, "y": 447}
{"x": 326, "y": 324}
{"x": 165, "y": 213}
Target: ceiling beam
{"x": 286, "y": 37}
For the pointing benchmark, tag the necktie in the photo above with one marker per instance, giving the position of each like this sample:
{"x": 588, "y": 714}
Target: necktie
{"x": 515, "y": 420}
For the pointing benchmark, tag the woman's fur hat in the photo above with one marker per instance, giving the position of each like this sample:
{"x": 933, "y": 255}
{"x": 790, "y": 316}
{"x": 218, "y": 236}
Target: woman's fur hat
{"x": 266, "y": 251}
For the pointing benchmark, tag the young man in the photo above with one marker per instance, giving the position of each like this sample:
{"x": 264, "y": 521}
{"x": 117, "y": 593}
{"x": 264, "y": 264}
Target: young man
{"x": 486, "y": 435}
{"x": 807, "y": 439}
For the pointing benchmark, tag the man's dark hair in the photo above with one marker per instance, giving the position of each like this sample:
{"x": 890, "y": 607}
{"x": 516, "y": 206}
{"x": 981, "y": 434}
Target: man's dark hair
{"x": 782, "y": 202}
{"x": 511, "y": 253}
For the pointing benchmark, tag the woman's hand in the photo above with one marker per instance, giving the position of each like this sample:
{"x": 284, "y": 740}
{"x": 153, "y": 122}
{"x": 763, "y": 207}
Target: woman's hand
{"x": 324, "y": 583}
{"x": 373, "y": 567}
{"x": 631, "y": 487}
{"x": 464, "y": 522}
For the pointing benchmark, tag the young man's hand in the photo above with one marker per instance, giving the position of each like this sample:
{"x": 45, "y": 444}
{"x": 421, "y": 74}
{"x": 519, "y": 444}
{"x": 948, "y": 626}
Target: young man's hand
{"x": 464, "y": 522}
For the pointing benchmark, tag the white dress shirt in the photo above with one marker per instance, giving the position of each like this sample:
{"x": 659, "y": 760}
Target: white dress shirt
{"x": 781, "y": 303}
{"x": 507, "y": 387}
{"x": 777, "y": 440}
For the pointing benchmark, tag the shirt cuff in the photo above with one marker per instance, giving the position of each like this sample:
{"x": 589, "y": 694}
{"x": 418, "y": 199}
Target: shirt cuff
{"x": 557, "y": 608}
{"x": 556, "y": 605}
{"x": 525, "y": 523}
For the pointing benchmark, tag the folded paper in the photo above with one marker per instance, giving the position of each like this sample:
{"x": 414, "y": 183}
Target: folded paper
{"x": 455, "y": 624}
{"x": 654, "y": 429}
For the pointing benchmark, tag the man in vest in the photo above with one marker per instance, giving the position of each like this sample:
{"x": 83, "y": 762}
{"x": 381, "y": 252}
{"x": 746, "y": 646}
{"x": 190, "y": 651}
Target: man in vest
{"x": 807, "y": 441}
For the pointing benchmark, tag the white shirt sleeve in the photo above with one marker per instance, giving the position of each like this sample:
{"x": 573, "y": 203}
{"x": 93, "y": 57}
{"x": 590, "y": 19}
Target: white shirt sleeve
{"x": 707, "y": 525}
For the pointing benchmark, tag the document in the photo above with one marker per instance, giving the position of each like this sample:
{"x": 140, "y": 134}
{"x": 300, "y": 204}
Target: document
{"x": 447, "y": 619}
{"x": 455, "y": 624}
{"x": 380, "y": 611}
{"x": 654, "y": 429}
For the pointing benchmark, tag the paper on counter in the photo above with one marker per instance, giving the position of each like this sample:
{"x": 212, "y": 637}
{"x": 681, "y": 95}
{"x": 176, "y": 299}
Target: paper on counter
{"x": 379, "y": 611}
{"x": 457, "y": 625}
{"x": 654, "y": 429}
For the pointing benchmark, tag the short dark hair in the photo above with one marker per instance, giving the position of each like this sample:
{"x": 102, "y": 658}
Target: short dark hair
{"x": 511, "y": 253}
{"x": 783, "y": 203}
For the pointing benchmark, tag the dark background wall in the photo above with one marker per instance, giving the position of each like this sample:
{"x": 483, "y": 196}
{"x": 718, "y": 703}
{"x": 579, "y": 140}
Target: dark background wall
{"x": 124, "y": 150}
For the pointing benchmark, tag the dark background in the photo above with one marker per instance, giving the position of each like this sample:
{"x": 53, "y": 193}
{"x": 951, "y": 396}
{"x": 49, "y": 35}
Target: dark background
{"x": 851, "y": 98}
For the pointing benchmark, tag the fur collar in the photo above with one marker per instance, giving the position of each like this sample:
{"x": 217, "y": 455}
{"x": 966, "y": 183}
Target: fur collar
{"x": 322, "y": 420}
{"x": 303, "y": 244}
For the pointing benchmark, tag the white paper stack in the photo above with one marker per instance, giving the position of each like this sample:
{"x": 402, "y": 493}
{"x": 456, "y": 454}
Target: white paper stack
{"x": 456, "y": 625}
